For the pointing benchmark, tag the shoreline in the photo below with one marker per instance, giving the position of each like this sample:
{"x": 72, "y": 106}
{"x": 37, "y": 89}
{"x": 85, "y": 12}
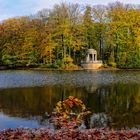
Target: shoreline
{"x": 69, "y": 134}
{"x": 79, "y": 69}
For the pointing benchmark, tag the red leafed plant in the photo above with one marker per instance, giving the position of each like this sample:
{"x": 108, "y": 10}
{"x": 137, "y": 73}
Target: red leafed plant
{"x": 69, "y": 113}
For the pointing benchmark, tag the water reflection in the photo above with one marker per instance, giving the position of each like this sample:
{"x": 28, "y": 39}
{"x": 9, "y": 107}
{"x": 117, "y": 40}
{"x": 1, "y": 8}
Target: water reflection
{"x": 115, "y": 105}
{"x": 99, "y": 120}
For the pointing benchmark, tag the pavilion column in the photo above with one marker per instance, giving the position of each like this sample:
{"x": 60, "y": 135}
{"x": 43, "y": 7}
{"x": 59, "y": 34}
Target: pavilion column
{"x": 87, "y": 58}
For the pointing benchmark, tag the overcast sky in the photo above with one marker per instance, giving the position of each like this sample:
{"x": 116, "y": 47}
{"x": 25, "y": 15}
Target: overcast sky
{"x": 12, "y": 8}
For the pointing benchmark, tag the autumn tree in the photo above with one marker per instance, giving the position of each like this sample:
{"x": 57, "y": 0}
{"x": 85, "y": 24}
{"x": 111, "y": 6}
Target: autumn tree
{"x": 59, "y": 37}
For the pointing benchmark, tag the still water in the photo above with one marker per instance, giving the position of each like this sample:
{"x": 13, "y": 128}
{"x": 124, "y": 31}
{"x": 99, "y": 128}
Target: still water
{"x": 113, "y": 97}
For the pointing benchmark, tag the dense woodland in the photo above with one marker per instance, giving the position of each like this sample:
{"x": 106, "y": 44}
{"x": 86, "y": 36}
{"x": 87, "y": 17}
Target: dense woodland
{"x": 59, "y": 37}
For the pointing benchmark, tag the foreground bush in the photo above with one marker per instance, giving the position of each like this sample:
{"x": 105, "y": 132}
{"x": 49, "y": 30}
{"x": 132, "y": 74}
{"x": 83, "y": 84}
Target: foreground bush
{"x": 68, "y": 134}
{"x": 69, "y": 113}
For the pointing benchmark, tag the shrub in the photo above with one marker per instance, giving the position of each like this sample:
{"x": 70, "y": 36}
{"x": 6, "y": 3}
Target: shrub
{"x": 69, "y": 113}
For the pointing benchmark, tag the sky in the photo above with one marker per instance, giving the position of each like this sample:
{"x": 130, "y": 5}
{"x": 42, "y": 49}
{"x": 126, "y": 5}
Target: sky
{"x": 14, "y": 8}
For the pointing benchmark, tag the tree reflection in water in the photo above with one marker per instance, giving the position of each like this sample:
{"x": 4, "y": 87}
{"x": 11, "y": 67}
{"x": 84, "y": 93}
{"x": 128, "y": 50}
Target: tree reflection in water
{"x": 115, "y": 105}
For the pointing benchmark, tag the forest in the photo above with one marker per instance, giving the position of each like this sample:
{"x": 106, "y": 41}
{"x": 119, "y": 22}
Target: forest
{"x": 59, "y": 37}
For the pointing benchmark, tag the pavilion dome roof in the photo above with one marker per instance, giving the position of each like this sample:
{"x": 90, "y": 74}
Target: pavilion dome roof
{"x": 91, "y": 51}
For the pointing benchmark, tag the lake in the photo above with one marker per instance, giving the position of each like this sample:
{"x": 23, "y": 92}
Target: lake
{"x": 113, "y": 97}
